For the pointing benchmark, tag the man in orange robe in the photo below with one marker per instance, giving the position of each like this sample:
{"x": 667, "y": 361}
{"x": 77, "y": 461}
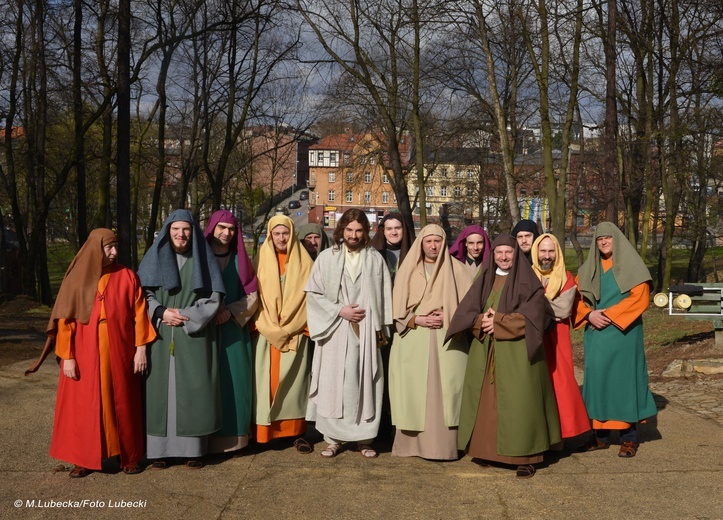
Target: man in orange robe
{"x": 100, "y": 327}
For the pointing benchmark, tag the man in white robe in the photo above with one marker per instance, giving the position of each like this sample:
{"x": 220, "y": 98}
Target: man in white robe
{"x": 349, "y": 306}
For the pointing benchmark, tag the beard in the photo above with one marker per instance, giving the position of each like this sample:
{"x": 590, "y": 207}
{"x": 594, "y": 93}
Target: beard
{"x": 546, "y": 266}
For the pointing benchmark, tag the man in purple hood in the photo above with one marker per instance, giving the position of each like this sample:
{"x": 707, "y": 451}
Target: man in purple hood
{"x": 471, "y": 247}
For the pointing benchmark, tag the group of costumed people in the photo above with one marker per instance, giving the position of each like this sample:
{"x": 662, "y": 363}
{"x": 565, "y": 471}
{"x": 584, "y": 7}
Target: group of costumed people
{"x": 449, "y": 349}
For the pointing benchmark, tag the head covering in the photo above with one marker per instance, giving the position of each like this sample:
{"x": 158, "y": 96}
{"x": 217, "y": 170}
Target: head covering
{"x": 313, "y": 229}
{"x": 281, "y": 316}
{"x": 526, "y": 225}
{"x": 77, "y": 291}
{"x": 246, "y": 273}
{"x": 379, "y": 241}
{"x": 444, "y": 288}
{"x": 629, "y": 269}
{"x": 558, "y": 276}
{"x": 522, "y": 293}
{"x": 159, "y": 267}
{"x": 459, "y": 248}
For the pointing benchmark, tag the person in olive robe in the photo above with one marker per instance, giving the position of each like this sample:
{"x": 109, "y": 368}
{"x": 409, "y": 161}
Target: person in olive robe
{"x": 508, "y": 413}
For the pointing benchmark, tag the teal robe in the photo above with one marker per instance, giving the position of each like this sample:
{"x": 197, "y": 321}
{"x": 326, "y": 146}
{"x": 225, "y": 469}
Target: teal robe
{"x": 198, "y": 401}
{"x": 527, "y": 419}
{"x": 235, "y": 362}
{"x": 615, "y": 386}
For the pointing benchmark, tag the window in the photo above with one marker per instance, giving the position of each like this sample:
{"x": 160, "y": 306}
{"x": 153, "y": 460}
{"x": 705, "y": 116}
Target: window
{"x": 470, "y": 174}
{"x": 346, "y": 157}
{"x": 457, "y": 192}
{"x": 320, "y": 157}
{"x": 331, "y": 196}
{"x": 332, "y": 159}
{"x": 367, "y": 177}
{"x": 430, "y": 191}
{"x": 385, "y": 197}
{"x": 444, "y": 191}
{"x": 349, "y": 196}
{"x": 332, "y": 176}
{"x": 394, "y": 197}
{"x": 363, "y": 160}
{"x": 385, "y": 178}
{"x": 470, "y": 191}
{"x": 371, "y": 160}
{"x": 458, "y": 173}
{"x": 443, "y": 172}
{"x": 349, "y": 177}
{"x": 367, "y": 197}
{"x": 431, "y": 173}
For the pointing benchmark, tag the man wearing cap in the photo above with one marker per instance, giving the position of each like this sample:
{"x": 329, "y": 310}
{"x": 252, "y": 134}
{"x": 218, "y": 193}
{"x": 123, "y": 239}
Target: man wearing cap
{"x": 508, "y": 413}
{"x": 184, "y": 288}
{"x": 614, "y": 284}
{"x": 525, "y": 232}
{"x": 426, "y": 374}
{"x": 548, "y": 262}
{"x": 100, "y": 328}
{"x": 224, "y": 235}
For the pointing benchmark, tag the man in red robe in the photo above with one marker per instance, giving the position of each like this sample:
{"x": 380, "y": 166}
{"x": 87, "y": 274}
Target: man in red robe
{"x": 548, "y": 262}
{"x": 100, "y": 327}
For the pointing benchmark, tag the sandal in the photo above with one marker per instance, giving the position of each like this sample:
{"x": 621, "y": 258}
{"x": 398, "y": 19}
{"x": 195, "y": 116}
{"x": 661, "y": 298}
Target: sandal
{"x": 194, "y": 464}
{"x": 303, "y": 446}
{"x": 132, "y": 469}
{"x": 79, "y": 472}
{"x": 594, "y": 444}
{"x": 367, "y": 451}
{"x": 330, "y": 451}
{"x": 159, "y": 464}
{"x": 628, "y": 449}
{"x": 526, "y": 471}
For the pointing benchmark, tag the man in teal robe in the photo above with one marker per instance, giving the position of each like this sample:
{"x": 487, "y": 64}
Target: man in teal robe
{"x": 184, "y": 289}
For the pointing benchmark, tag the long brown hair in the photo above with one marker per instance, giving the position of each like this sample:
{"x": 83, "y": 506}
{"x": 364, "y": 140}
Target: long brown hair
{"x": 352, "y": 215}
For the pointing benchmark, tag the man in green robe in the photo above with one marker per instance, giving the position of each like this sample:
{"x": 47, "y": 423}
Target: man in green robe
{"x": 223, "y": 234}
{"x": 184, "y": 289}
{"x": 508, "y": 412}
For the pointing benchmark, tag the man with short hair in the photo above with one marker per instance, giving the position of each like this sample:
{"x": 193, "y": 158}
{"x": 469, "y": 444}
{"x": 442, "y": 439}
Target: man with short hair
{"x": 525, "y": 232}
{"x": 224, "y": 235}
{"x": 508, "y": 411}
{"x": 100, "y": 327}
{"x": 548, "y": 262}
{"x": 184, "y": 289}
{"x": 471, "y": 247}
{"x": 313, "y": 238}
{"x": 425, "y": 373}
{"x": 349, "y": 306}
{"x": 282, "y": 344}
{"x": 614, "y": 284}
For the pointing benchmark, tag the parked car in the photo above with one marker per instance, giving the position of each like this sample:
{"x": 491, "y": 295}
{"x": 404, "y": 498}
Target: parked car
{"x": 294, "y": 204}
{"x": 282, "y": 210}
{"x": 304, "y": 195}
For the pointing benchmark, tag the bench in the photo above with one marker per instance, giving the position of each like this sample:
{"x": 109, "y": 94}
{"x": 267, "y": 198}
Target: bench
{"x": 696, "y": 301}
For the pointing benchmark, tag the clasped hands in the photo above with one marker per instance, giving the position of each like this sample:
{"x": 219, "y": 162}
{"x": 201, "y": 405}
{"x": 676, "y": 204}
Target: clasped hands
{"x": 433, "y": 320}
{"x": 352, "y": 313}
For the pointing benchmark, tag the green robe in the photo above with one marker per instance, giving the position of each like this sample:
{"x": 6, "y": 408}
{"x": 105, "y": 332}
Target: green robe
{"x": 527, "y": 419}
{"x": 235, "y": 362}
{"x": 615, "y": 386}
{"x": 408, "y": 366}
{"x": 198, "y": 402}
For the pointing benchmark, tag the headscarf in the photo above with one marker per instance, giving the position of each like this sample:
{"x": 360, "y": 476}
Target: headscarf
{"x": 446, "y": 286}
{"x": 522, "y": 293}
{"x": 558, "y": 275}
{"x": 246, "y": 273}
{"x": 629, "y": 269}
{"x": 77, "y": 291}
{"x": 80, "y": 283}
{"x": 159, "y": 267}
{"x": 379, "y": 241}
{"x": 459, "y": 248}
{"x": 313, "y": 229}
{"x": 280, "y": 318}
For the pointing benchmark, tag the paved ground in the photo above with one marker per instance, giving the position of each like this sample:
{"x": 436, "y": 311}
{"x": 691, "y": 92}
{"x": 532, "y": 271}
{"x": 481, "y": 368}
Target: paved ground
{"x": 677, "y": 474}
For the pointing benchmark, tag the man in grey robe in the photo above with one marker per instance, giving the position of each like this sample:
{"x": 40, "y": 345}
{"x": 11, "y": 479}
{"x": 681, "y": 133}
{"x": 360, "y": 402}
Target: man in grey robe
{"x": 184, "y": 289}
{"x": 349, "y": 304}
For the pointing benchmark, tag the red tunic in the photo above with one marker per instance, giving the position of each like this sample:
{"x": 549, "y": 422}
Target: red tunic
{"x": 84, "y": 432}
{"x": 558, "y": 351}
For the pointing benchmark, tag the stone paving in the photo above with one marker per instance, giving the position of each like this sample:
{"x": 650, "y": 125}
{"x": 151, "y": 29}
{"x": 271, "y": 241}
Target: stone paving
{"x": 701, "y": 395}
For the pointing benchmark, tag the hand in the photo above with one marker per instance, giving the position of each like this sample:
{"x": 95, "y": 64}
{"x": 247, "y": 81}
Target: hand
{"x": 488, "y": 321}
{"x": 222, "y": 316}
{"x": 433, "y": 320}
{"x": 352, "y": 313}
{"x": 70, "y": 368}
{"x": 140, "y": 361}
{"x": 598, "y": 320}
{"x": 173, "y": 318}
